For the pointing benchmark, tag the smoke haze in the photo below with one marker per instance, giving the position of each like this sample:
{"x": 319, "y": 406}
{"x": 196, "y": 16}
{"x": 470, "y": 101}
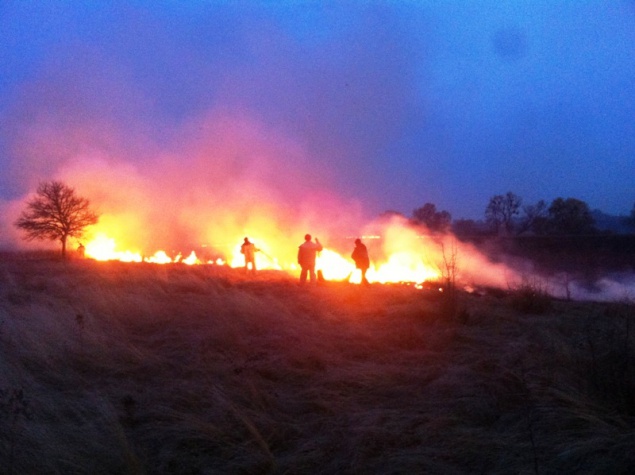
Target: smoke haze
{"x": 393, "y": 104}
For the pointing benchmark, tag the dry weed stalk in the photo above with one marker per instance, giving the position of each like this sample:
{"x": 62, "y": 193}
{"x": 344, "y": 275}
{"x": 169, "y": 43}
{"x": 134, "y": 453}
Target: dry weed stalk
{"x": 449, "y": 271}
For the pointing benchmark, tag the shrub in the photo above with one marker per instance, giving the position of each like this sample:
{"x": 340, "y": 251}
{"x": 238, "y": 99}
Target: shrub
{"x": 609, "y": 340}
{"x": 531, "y": 296}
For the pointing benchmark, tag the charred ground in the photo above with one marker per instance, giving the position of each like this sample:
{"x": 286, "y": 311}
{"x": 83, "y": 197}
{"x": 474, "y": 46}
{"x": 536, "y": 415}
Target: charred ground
{"x": 140, "y": 368}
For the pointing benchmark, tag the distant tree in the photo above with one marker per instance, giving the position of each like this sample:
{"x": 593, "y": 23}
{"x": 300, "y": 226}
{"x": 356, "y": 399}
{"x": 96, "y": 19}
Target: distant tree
{"x": 611, "y": 224}
{"x": 534, "y": 218}
{"x": 468, "y": 227}
{"x": 501, "y": 210}
{"x": 434, "y": 220}
{"x": 56, "y": 213}
{"x": 629, "y": 220}
{"x": 570, "y": 216}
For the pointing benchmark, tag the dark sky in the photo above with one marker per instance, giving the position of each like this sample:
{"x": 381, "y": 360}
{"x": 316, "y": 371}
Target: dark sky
{"x": 388, "y": 105}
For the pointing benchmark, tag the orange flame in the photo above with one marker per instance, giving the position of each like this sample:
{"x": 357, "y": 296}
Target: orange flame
{"x": 398, "y": 255}
{"x": 103, "y": 248}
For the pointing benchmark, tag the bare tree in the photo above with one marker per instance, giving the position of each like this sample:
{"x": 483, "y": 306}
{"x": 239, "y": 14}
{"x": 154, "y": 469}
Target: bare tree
{"x": 56, "y": 213}
{"x": 449, "y": 270}
{"x": 433, "y": 219}
{"x": 501, "y": 210}
{"x": 449, "y": 266}
{"x": 534, "y": 219}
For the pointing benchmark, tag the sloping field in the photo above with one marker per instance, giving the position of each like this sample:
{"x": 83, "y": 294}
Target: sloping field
{"x": 114, "y": 368}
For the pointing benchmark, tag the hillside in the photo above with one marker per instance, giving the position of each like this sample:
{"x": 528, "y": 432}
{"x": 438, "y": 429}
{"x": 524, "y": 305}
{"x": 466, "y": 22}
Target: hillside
{"x": 114, "y": 368}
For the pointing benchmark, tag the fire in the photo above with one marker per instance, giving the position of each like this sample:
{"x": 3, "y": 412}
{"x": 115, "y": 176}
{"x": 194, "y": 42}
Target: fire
{"x": 334, "y": 266}
{"x": 159, "y": 257}
{"x": 399, "y": 255}
{"x": 191, "y": 259}
{"x": 264, "y": 260}
{"x": 404, "y": 266}
{"x": 103, "y": 248}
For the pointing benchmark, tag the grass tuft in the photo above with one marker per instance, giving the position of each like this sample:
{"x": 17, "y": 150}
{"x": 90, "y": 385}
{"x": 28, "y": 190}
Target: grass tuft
{"x": 112, "y": 368}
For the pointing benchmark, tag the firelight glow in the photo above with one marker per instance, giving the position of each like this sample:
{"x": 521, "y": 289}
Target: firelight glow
{"x": 402, "y": 266}
{"x": 104, "y": 248}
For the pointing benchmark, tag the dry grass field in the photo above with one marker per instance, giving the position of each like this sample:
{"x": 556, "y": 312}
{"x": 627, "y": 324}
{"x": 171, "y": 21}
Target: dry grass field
{"x": 114, "y": 368}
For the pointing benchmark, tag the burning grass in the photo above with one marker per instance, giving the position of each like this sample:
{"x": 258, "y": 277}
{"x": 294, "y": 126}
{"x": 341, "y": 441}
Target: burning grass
{"x": 143, "y": 368}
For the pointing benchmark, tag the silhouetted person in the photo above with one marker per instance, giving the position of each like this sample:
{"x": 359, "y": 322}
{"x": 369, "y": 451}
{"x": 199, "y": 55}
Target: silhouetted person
{"x": 81, "y": 250}
{"x": 360, "y": 256}
{"x": 248, "y": 249}
{"x": 307, "y": 253}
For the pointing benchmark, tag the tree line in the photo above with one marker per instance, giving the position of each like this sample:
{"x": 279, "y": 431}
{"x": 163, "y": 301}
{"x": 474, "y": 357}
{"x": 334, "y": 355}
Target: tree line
{"x": 505, "y": 214}
{"x": 58, "y": 213}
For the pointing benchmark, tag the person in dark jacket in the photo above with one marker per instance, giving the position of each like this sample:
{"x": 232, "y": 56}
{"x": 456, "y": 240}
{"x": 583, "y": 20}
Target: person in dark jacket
{"x": 248, "y": 249}
{"x": 307, "y": 253}
{"x": 360, "y": 256}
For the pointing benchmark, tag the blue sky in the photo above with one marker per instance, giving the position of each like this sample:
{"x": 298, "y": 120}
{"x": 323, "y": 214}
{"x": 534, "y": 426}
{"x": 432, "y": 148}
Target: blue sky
{"x": 390, "y": 104}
